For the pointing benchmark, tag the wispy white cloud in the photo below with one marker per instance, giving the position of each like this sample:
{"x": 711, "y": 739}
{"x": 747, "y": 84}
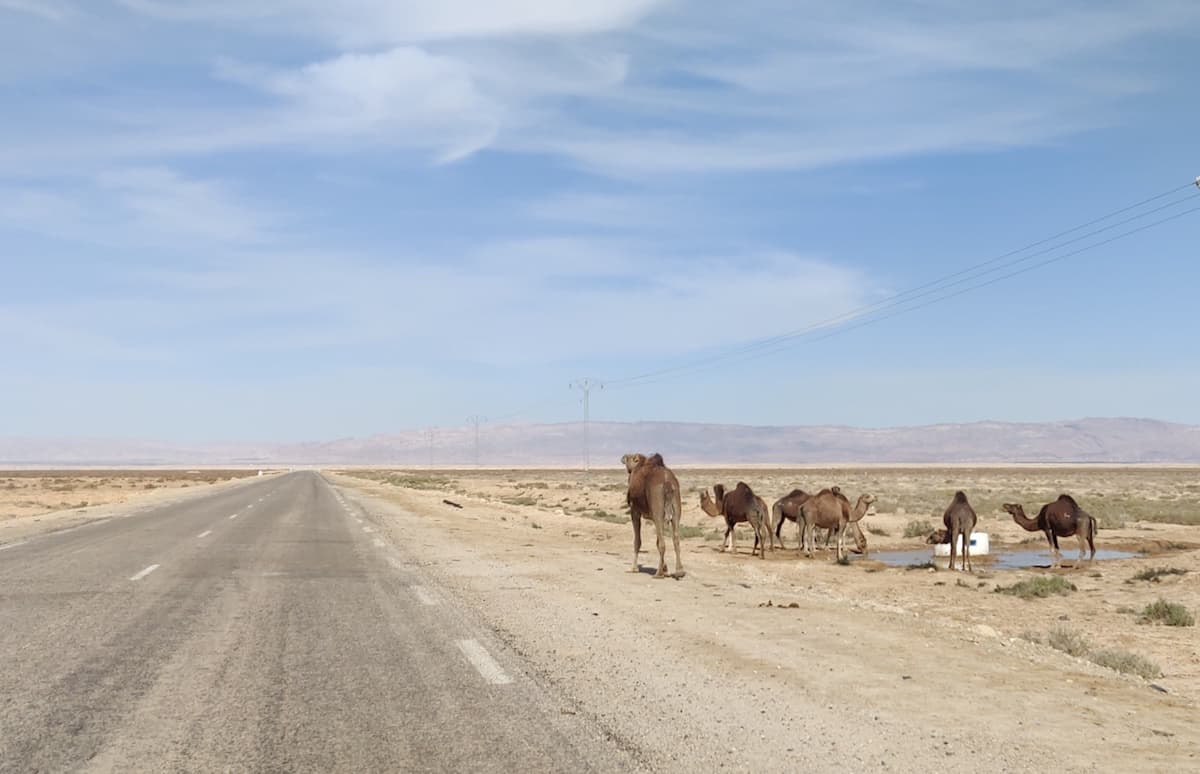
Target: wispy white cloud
{"x": 637, "y": 88}
{"x": 368, "y": 23}
{"x": 139, "y": 206}
{"x": 46, "y": 9}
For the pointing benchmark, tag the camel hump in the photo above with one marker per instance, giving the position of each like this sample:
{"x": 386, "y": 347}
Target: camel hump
{"x": 960, "y": 496}
{"x": 742, "y": 486}
{"x": 655, "y": 459}
{"x": 1066, "y": 498}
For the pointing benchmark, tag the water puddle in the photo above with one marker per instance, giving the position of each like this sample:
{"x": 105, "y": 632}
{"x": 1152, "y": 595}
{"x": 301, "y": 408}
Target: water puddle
{"x": 1002, "y": 560}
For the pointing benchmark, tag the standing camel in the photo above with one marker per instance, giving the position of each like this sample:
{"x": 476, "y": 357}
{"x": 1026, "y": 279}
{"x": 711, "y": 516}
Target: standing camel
{"x": 654, "y": 492}
{"x": 738, "y": 505}
{"x": 960, "y": 520}
{"x": 787, "y": 508}
{"x": 1061, "y": 518}
{"x": 829, "y": 509}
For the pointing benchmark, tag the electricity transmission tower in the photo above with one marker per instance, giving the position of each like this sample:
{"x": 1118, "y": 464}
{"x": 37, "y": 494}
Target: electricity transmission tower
{"x": 477, "y": 420}
{"x": 586, "y": 385}
{"x": 429, "y": 440}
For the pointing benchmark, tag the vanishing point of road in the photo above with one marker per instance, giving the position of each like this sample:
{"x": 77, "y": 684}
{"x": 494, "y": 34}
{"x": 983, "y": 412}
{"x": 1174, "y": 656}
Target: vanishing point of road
{"x": 265, "y": 626}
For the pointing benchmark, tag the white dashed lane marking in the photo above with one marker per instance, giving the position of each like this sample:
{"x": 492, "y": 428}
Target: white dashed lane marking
{"x": 205, "y": 533}
{"x": 368, "y": 530}
{"x": 378, "y": 543}
{"x": 144, "y": 572}
{"x": 483, "y": 662}
{"x": 233, "y": 515}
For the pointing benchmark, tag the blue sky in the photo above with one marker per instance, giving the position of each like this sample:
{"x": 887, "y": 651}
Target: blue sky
{"x": 300, "y": 220}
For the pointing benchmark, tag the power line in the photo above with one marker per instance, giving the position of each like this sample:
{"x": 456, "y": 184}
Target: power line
{"x": 901, "y": 308}
{"x": 935, "y": 286}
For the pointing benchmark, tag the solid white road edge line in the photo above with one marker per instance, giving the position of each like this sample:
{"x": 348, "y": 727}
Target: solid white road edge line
{"x": 7, "y": 546}
{"x": 205, "y": 533}
{"x": 144, "y": 572}
{"x": 483, "y": 662}
{"x": 233, "y": 516}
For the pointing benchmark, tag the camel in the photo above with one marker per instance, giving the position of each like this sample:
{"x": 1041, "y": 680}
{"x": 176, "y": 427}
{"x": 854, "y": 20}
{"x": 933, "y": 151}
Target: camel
{"x": 787, "y": 508}
{"x": 1061, "y": 518}
{"x": 960, "y": 519}
{"x": 740, "y": 505}
{"x": 654, "y": 492}
{"x": 830, "y": 509}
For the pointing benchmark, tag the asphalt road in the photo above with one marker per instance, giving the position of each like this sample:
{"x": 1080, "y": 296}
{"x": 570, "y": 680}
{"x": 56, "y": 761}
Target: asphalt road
{"x": 264, "y": 627}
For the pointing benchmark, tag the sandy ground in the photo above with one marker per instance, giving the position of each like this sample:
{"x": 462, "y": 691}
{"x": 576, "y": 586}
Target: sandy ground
{"x": 751, "y": 664}
{"x": 34, "y": 501}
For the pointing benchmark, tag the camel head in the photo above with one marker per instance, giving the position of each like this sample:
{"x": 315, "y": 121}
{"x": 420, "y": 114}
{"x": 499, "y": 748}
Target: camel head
{"x": 938, "y": 536}
{"x": 860, "y": 508}
{"x": 708, "y": 505}
{"x": 1013, "y": 509}
{"x": 631, "y": 461}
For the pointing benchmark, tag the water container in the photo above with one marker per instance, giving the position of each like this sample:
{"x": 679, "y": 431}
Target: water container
{"x": 979, "y": 545}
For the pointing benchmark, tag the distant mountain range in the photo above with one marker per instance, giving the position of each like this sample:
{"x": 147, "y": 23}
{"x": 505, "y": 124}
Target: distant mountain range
{"x": 1082, "y": 441}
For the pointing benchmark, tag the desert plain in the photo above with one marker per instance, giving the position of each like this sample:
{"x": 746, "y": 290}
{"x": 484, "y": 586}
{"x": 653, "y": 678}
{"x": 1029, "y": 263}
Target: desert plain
{"x": 746, "y": 662}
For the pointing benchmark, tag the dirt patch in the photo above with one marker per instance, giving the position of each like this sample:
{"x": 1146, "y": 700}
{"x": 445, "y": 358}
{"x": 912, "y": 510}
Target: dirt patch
{"x": 875, "y": 661}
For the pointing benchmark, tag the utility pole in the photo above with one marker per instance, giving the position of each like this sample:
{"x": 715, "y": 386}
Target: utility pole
{"x": 429, "y": 440}
{"x": 477, "y": 420}
{"x": 585, "y": 385}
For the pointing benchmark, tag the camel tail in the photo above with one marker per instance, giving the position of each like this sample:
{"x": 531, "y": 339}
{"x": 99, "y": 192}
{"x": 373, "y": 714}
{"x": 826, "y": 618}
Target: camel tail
{"x": 673, "y": 504}
{"x": 777, "y": 517}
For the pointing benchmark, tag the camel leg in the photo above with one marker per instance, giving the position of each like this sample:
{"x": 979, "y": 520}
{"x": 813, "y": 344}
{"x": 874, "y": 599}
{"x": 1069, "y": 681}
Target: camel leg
{"x": 637, "y": 540}
{"x": 762, "y": 528}
{"x": 679, "y": 572}
{"x": 953, "y": 546}
{"x": 967, "y": 567}
{"x": 659, "y": 526}
{"x": 840, "y": 541}
{"x": 726, "y": 541}
{"x": 1052, "y": 543}
{"x": 779, "y": 529}
{"x": 1079, "y": 533}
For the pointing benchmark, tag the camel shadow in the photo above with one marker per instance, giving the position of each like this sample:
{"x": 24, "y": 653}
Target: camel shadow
{"x": 652, "y": 571}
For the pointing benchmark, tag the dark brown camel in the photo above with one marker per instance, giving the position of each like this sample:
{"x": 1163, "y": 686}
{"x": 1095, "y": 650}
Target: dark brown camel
{"x": 654, "y": 492}
{"x": 1061, "y": 518}
{"x": 960, "y": 520}
{"x": 740, "y": 505}
{"x": 788, "y": 508}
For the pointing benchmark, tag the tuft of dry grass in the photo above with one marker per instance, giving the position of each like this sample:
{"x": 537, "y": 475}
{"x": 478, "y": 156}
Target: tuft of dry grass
{"x": 1069, "y": 642}
{"x": 1127, "y": 663}
{"x": 917, "y": 528}
{"x": 1154, "y": 573}
{"x": 1039, "y": 587}
{"x": 1169, "y": 613}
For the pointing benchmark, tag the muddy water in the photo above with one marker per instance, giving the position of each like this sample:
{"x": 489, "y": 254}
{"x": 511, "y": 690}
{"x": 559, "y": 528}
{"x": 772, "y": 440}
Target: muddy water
{"x": 1001, "y": 560}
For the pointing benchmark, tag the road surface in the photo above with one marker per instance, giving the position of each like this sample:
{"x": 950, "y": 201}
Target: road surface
{"x": 263, "y": 627}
